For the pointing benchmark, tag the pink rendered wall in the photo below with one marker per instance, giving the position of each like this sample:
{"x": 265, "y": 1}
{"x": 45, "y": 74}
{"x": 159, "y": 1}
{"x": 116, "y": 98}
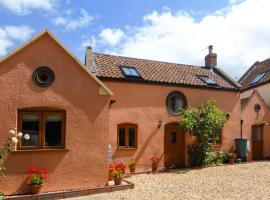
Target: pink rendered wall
{"x": 144, "y": 105}
{"x": 84, "y": 162}
{"x": 251, "y": 118}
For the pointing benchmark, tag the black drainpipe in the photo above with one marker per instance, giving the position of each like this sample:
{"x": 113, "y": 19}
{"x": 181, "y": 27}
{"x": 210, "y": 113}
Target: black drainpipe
{"x": 241, "y": 130}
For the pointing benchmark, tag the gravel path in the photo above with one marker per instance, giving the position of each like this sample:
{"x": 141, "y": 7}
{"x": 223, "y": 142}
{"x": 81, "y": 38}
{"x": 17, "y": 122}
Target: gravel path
{"x": 241, "y": 181}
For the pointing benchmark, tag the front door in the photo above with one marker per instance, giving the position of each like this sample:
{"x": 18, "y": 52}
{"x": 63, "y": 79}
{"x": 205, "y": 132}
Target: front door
{"x": 257, "y": 142}
{"x": 174, "y": 146}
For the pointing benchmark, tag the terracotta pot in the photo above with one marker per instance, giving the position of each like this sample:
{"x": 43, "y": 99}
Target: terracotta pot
{"x": 110, "y": 176}
{"x": 117, "y": 181}
{"x": 231, "y": 161}
{"x": 132, "y": 169}
{"x": 35, "y": 189}
{"x": 154, "y": 167}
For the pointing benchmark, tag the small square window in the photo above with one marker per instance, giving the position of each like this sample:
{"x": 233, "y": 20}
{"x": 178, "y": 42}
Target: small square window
{"x": 173, "y": 137}
{"x": 130, "y": 72}
{"x": 207, "y": 80}
{"x": 127, "y": 136}
{"x": 258, "y": 78}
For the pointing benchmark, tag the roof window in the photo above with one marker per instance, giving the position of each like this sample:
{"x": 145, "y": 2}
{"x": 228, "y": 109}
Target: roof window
{"x": 207, "y": 80}
{"x": 130, "y": 72}
{"x": 258, "y": 78}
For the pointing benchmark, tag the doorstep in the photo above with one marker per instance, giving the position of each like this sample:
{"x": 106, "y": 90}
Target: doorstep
{"x": 73, "y": 193}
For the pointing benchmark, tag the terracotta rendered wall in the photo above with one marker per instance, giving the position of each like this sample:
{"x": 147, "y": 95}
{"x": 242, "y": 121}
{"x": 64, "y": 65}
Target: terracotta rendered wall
{"x": 251, "y": 118}
{"x": 144, "y": 105}
{"x": 84, "y": 162}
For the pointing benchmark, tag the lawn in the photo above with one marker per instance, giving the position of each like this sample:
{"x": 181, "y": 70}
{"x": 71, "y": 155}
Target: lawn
{"x": 239, "y": 181}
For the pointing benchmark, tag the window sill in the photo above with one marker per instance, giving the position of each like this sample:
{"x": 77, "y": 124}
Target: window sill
{"x": 38, "y": 150}
{"x": 126, "y": 148}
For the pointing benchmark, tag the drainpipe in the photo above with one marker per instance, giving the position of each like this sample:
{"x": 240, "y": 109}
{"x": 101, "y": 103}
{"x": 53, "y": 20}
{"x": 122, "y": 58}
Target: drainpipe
{"x": 241, "y": 130}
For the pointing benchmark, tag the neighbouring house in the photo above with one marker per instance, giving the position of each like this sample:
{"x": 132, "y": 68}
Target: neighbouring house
{"x": 47, "y": 93}
{"x": 255, "y": 102}
{"x": 143, "y": 116}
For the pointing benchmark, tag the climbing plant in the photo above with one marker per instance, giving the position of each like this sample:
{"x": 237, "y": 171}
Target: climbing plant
{"x": 203, "y": 122}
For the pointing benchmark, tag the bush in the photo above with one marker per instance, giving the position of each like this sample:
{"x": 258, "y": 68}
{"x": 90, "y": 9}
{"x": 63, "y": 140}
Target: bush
{"x": 1, "y": 196}
{"x": 216, "y": 158}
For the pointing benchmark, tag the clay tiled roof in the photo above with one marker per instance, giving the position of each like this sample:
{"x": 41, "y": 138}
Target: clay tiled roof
{"x": 253, "y": 72}
{"x": 108, "y": 66}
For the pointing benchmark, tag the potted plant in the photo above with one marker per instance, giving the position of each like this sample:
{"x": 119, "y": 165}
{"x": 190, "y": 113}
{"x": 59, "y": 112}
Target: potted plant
{"x": 111, "y": 170}
{"x": 118, "y": 176}
{"x": 36, "y": 179}
{"x": 132, "y": 165}
{"x": 120, "y": 166}
{"x": 231, "y": 157}
{"x": 155, "y": 160}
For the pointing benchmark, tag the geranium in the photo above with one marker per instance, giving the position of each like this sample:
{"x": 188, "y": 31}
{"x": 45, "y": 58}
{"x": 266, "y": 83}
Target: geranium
{"x": 111, "y": 168}
{"x": 36, "y": 176}
{"x": 120, "y": 167}
{"x": 155, "y": 159}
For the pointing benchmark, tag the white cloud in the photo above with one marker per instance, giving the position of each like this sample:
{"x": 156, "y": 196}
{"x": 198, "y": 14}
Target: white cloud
{"x": 24, "y": 7}
{"x": 11, "y": 34}
{"x": 111, "y": 36}
{"x": 71, "y": 24}
{"x": 240, "y": 35}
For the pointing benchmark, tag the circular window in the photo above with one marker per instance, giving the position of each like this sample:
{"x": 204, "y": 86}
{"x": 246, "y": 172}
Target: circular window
{"x": 175, "y": 101}
{"x": 43, "y": 76}
{"x": 257, "y": 108}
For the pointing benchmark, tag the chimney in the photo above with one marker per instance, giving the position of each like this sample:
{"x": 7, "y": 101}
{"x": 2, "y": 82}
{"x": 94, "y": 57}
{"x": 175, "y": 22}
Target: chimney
{"x": 88, "y": 57}
{"x": 211, "y": 58}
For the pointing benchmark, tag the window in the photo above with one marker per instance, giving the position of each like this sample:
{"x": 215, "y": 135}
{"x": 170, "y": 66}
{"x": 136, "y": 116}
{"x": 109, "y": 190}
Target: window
{"x": 127, "y": 136}
{"x": 173, "y": 138}
{"x": 175, "y": 101}
{"x": 207, "y": 80}
{"x": 258, "y": 78}
{"x": 46, "y": 129}
{"x": 130, "y": 72}
{"x": 43, "y": 76}
{"x": 216, "y": 139}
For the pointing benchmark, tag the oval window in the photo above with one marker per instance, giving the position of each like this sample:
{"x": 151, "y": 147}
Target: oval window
{"x": 175, "y": 101}
{"x": 43, "y": 76}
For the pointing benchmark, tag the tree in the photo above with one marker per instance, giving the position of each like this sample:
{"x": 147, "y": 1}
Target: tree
{"x": 202, "y": 122}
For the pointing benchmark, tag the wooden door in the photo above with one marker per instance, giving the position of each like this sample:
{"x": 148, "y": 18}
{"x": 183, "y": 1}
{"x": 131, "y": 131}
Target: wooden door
{"x": 257, "y": 142}
{"x": 174, "y": 146}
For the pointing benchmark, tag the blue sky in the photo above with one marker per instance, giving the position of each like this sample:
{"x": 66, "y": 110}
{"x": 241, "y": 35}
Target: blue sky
{"x": 169, "y": 30}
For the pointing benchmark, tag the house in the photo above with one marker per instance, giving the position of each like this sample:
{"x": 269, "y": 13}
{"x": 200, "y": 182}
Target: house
{"x": 46, "y": 92}
{"x": 143, "y": 115}
{"x": 75, "y": 114}
{"x": 255, "y": 102}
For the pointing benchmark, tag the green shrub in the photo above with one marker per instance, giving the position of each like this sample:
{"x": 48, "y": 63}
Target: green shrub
{"x": 1, "y": 196}
{"x": 118, "y": 174}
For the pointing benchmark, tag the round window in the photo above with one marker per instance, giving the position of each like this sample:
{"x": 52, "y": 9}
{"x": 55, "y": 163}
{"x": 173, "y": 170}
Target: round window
{"x": 43, "y": 76}
{"x": 175, "y": 101}
{"x": 257, "y": 108}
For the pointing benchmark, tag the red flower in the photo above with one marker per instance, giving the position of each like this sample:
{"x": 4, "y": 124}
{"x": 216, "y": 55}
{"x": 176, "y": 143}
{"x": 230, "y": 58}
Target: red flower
{"x": 32, "y": 169}
{"x": 155, "y": 159}
{"x": 44, "y": 171}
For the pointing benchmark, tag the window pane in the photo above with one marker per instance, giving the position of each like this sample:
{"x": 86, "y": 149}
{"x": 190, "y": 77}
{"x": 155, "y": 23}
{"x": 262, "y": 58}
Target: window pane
{"x": 30, "y": 125}
{"x": 122, "y": 137}
{"x": 173, "y": 137}
{"x": 53, "y": 130}
{"x": 127, "y": 71}
{"x": 131, "y": 139}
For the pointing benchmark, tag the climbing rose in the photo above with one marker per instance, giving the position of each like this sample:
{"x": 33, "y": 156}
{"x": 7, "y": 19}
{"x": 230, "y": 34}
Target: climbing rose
{"x": 12, "y": 132}
{"x": 14, "y": 140}
{"x": 20, "y": 134}
{"x": 26, "y": 136}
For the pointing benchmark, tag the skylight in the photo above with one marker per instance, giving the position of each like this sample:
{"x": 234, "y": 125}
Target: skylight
{"x": 258, "y": 78}
{"x": 207, "y": 80}
{"x": 130, "y": 72}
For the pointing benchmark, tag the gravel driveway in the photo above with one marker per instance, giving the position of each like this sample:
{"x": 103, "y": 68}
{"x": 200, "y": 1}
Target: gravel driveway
{"x": 241, "y": 181}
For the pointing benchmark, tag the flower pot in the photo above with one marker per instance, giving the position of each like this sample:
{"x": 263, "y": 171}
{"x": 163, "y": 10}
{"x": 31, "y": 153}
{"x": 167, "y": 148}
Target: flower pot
{"x": 110, "y": 176}
{"x": 231, "y": 161}
{"x": 117, "y": 181}
{"x": 35, "y": 189}
{"x": 154, "y": 167}
{"x": 132, "y": 169}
